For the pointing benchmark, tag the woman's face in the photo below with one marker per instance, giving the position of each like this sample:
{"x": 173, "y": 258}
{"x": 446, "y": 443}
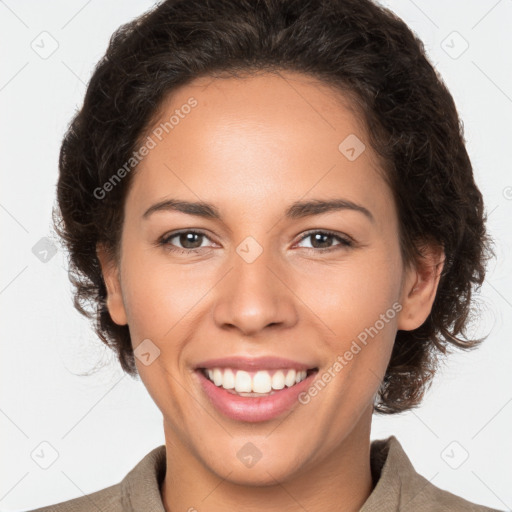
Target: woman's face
{"x": 263, "y": 278}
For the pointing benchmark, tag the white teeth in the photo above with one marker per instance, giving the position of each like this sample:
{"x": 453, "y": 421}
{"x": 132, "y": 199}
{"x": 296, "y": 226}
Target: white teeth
{"x": 242, "y": 382}
{"x": 278, "y": 380}
{"x": 217, "y": 376}
{"x": 260, "y": 382}
{"x": 289, "y": 380}
{"x": 228, "y": 381}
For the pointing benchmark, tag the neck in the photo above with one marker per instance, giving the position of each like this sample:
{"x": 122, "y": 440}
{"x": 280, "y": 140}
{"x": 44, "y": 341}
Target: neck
{"x": 341, "y": 481}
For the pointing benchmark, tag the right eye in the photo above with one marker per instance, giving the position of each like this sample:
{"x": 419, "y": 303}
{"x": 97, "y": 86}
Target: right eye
{"x": 187, "y": 238}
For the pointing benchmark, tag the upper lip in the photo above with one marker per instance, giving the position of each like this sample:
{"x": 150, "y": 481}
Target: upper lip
{"x": 253, "y": 363}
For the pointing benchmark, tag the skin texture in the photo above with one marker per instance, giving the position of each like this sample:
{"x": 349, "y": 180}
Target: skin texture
{"x": 252, "y": 146}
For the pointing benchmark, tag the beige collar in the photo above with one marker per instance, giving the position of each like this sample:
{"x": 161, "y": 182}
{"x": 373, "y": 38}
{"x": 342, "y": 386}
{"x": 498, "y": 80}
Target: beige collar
{"x": 399, "y": 487}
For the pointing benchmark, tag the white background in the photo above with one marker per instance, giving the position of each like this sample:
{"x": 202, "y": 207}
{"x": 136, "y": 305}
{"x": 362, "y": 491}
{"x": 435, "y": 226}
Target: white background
{"x": 102, "y": 425}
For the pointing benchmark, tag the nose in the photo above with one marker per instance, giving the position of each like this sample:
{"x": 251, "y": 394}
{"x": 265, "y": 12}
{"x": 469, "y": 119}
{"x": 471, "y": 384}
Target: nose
{"x": 254, "y": 296}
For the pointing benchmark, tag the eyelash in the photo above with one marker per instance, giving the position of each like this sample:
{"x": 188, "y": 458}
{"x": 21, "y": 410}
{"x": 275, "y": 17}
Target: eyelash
{"x": 344, "y": 242}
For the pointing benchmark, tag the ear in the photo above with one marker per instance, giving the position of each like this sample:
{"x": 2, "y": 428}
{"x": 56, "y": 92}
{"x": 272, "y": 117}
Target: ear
{"x": 110, "y": 271}
{"x": 419, "y": 287}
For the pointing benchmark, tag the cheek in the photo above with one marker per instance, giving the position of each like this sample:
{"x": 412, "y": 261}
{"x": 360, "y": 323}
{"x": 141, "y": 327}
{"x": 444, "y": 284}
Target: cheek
{"x": 350, "y": 296}
{"x": 357, "y": 305}
{"x": 163, "y": 298}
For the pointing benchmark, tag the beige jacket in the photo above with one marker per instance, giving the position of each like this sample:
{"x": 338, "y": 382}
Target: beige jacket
{"x": 399, "y": 487}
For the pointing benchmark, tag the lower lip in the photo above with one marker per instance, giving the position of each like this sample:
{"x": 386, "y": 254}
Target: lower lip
{"x": 253, "y": 409}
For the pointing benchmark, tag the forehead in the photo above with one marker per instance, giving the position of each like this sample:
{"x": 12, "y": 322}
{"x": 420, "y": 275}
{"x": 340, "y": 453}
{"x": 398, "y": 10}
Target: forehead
{"x": 251, "y": 139}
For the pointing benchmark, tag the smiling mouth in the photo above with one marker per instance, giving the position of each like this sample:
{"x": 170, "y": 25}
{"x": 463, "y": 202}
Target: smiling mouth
{"x": 255, "y": 383}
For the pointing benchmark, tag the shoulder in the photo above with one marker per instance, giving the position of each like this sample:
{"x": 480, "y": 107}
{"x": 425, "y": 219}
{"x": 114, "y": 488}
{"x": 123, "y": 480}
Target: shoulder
{"x": 139, "y": 489}
{"x": 400, "y": 487}
{"x": 421, "y": 494}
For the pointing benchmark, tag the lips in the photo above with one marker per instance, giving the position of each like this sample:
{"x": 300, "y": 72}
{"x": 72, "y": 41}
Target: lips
{"x": 251, "y": 364}
{"x": 254, "y": 407}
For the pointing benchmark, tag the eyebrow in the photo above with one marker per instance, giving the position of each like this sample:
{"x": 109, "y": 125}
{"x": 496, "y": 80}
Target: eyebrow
{"x": 297, "y": 210}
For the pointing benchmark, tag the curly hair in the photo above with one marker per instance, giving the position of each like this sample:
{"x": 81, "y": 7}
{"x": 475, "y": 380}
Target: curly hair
{"x": 357, "y": 46}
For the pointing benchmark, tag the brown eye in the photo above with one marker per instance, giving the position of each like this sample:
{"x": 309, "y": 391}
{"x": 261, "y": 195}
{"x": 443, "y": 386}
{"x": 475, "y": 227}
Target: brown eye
{"x": 190, "y": 240}
{"x": 184, "y": 241}
{"x": 323, "y": 240}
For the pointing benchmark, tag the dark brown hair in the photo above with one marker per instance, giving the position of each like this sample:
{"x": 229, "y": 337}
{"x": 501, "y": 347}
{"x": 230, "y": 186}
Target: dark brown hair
{"x": 360, "y": 48}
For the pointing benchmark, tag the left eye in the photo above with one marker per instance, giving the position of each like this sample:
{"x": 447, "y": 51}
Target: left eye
{"x": 324, "y": 238}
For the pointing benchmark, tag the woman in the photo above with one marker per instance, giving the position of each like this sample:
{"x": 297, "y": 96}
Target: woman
{"x": 272, "y": 219}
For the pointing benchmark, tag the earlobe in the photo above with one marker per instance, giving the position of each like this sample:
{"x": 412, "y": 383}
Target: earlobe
{"x": 420, "y": 288}
{"x": 110, "y": 271}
